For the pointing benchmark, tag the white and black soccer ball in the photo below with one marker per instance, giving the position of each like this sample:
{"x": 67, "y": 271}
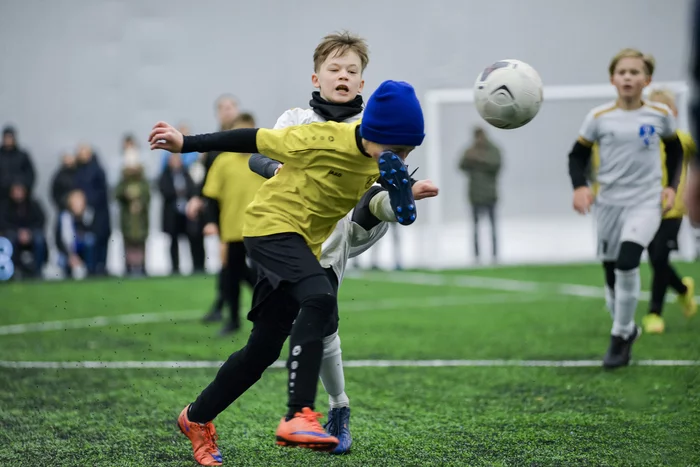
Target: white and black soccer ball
{"x": 508, "y": 94}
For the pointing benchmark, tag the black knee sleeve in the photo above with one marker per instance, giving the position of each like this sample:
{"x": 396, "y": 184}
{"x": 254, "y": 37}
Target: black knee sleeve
{"x": 609, "y": 267}
{"x": 630, "y": 256}
{"x": 316, "y": 312}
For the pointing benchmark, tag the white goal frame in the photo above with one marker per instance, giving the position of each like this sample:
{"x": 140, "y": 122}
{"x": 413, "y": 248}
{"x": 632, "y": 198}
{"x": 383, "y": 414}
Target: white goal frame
{"x": 437, "y": 97}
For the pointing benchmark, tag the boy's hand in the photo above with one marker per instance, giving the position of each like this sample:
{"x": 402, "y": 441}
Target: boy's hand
{"x": 193, "y": 206}
{"x": 668, "y": 199}
{"x": 75, "y": 261}
{"x": 210, "y": 229}
{"x": 164, "y": 136}
{"x": 583, "y": 198}
{"x": 424, "y": 189}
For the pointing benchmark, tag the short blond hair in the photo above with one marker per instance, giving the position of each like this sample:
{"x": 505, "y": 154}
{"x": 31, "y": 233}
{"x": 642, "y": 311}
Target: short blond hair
{"x": 338, "y": 44}
{"x": 649, "y": 61}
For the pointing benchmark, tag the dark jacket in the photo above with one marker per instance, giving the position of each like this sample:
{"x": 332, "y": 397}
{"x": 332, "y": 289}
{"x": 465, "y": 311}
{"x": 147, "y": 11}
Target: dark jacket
{"x": 26, "y": 215}
{"x": 90, "y": 178}
{"x": 62, "y": 184}
{"x": 482, "y": 165}
{"x": 172, "y": 200}
{"x": 15, "y": 166}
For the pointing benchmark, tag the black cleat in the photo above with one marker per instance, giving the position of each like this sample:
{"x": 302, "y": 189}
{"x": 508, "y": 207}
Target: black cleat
{"x": 397, "y": 182}
{"x": 620, "y": 350}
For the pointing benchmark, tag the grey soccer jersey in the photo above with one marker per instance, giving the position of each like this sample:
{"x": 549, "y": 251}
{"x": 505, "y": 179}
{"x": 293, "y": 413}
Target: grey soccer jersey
{"x": 630, "y": 151}
{"x": 348, "y": 240}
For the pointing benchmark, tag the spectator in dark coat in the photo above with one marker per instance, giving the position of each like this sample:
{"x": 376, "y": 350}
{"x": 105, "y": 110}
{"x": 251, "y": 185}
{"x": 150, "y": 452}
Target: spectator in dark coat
{"x": 15, "y": 164}
{"x": 90, "y": 179}
{"x": 177, "y": 188}
{"x": 22, "y": 222}
{"x": 63, "y": 182}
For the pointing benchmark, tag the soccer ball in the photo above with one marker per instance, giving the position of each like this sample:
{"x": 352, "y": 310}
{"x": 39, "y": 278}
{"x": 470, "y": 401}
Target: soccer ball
{"x": 508, "y": 94}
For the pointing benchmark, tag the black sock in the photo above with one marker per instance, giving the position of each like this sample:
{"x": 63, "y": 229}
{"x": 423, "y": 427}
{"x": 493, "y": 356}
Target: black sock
{"x": 676, "y": 282}
{"x": 240, "y": 371}
{"x": 306, "y": 351}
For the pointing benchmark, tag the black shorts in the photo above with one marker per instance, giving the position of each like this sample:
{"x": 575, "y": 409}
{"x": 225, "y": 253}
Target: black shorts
{"x": 283, "y": 261}
{"x": 667, "y": 235}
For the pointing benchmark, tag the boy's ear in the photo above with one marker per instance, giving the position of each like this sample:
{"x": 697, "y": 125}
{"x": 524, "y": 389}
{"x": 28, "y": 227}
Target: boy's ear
{"x": 362, "y": 85}
{"x": 315, "y": 81}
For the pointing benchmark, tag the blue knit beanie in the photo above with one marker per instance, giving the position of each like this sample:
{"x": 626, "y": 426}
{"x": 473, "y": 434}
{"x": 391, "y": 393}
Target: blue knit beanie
{"x": 393, "y": 116}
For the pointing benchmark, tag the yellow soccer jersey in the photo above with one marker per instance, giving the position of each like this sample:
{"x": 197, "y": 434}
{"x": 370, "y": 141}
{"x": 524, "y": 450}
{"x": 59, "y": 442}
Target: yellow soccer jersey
{"x": 689, "y": 149}
{"x": 325, "y": 174}
{"x": 233, "y": 185}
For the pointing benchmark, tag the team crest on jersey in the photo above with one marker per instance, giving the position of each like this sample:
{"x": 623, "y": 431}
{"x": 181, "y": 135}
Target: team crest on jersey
{"x": 648, "y": 134}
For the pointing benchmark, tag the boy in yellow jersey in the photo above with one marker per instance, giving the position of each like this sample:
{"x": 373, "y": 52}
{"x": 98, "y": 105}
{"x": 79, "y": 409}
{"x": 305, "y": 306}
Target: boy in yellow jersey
{"x": 327, "y": 169}
{"x": 628, "y": 205}
{"x": 666, "y": 239}
{"x": 229, "y": 189}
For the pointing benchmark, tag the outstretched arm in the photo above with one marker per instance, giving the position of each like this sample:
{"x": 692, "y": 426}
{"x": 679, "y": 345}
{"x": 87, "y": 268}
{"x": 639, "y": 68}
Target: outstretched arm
{"x": 164, "y": 136}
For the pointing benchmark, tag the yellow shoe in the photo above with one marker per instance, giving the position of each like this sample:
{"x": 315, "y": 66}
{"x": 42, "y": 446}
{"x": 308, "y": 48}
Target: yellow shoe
{"x": 653, "y": 324}
{"x": 687, "y": 300}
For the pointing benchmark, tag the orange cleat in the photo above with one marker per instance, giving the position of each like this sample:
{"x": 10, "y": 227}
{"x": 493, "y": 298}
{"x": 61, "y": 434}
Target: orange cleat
{"x": 203, "y": 438}
{"x": 305, "y": 431}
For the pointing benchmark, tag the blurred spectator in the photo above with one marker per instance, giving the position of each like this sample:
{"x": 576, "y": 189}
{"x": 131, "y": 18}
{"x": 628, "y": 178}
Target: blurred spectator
{"x": 75, "y": 236}
{"x": 227, "y": 111}
{"x": 133, "y": 195}
{"x": 90, "y": 179}
{"x": 177, "y": 188}
{"x": 481, "y": 163}
{"x": 15, "y": 164}
{"x": 63, "y": 181}
{"x": 22, "y": 222}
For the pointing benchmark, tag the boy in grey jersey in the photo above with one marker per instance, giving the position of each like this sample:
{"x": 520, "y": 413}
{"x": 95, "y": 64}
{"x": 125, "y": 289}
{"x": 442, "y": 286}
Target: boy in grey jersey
{"x": 629, "y": 204}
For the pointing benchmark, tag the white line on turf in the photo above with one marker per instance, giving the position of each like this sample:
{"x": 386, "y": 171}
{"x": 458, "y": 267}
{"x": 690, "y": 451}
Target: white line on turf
{"x": 348, "y": 364}
{"x": 345, "y": 306}
{"x": 493, "y": 283}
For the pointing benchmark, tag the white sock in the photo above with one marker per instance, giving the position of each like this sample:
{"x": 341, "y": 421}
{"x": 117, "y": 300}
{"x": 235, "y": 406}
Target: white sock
{"x": 380, "y": 206}
{"x": 627, "y": 287}
{"x": 610, "y": 300}
{"x": 332, "y": 375}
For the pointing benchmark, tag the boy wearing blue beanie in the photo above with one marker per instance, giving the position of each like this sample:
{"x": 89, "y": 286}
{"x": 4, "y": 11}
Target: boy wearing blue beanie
{"x": 327, "y": 169}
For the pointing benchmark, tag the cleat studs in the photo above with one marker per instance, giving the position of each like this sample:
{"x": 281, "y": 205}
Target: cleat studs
{"x": 411, "y": 207}
{"x": 403, "y": 168}
{"x": 393, "y": 171}
{"x": 400, "y": 219}
{"x": 413, "y": 217}
{"x": 382, "y": 172}
{"x": 381, "y": 160}
{"x": 398, "y": 209}
{"x": 404, "y": 181}
{"x": 394, "y": 157}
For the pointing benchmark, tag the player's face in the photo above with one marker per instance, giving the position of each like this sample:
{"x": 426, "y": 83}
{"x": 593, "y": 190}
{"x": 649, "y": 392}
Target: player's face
{"x": 375, "y": 150}
{"x": 339, "y": 78}
{"x": 227, "y": 112}
{"x": 630, "y": 77}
